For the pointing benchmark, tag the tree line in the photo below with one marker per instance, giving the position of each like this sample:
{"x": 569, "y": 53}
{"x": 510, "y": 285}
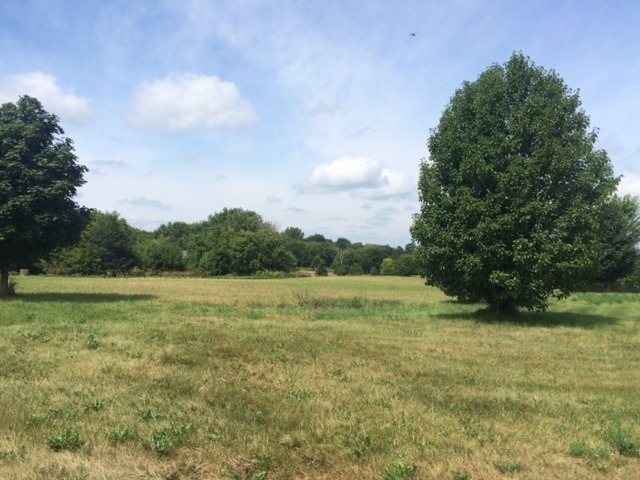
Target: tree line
{"x": 233, "y": 242}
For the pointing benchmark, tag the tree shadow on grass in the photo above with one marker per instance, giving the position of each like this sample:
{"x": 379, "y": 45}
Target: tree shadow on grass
{"x": 534, "y": 319}
{"x": 82, "y": 297}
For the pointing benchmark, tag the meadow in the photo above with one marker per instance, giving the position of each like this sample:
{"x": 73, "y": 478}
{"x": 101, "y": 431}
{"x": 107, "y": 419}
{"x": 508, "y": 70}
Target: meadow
{"x": 314, "y": 378}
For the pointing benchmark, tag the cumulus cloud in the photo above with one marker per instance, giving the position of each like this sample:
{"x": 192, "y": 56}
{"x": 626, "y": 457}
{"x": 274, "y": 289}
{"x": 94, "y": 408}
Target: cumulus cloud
{"x": 188, "y": 101}
{"x": 391, "y": 185}
{"x": 629, "y": 184}
{"x": 345, "y": 173}
{"x": 363, "y": 177}
{"x": 69, "y": 107}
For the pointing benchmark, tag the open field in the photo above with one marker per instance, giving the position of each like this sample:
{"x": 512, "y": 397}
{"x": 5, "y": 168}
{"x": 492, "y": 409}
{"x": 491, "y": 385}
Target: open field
{"x": 318, "y": 378}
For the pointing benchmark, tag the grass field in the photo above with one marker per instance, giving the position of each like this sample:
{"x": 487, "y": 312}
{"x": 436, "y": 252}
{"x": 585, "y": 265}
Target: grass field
{"x": 314, "y": 378}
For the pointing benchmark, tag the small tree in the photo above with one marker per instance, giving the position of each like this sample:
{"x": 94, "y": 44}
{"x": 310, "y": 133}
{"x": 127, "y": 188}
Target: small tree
{"x": 513, "y": 192}
{"x": 106, "y": 247}
{"x": 619, "y": 240}
{"x": 388, "y": 266}
{"x": 161, "y": 255}
{"x": 39, "y": 178}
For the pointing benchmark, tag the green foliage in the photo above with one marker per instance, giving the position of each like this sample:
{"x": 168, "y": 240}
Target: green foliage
{"x": 321, "y": 270}
{"x": 400, "y": 471}
{"x": 239, "y": 242}
{"x": 123, "y": 435}
{"x": 510, "y": 466}
{"x": 164, "y": 440}
{"x": 388, "y": 267}
{"x": 161, "y": 255}
{"x": 406, "y": 265}
{"x": 356, "y": 269}
{"x": 90, "y": 342}
{"x": 619, "y": 240}
{"x": 513, "y": 192}
{"x": 69, "y": 439}
{"x": 461, "y": 475}
{"x": 293, "y": 233}
{"x": 39, "y": 178}
{"x": 106, "y": 248}
{"x": 583, "y": 450}
{"x": 623, "y": 440}
{"x": 341, "y": 270}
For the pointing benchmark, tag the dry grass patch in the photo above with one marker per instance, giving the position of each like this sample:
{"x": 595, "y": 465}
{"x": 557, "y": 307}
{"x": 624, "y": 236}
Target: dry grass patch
{"x": 311, "y": 378}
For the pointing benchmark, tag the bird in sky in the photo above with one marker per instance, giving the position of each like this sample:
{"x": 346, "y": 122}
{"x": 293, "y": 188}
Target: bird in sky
{"x": 412, "y": 34}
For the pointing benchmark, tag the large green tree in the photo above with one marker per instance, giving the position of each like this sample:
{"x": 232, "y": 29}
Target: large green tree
{"x": 39, "y": 178}
{"x": 513, "y": 191}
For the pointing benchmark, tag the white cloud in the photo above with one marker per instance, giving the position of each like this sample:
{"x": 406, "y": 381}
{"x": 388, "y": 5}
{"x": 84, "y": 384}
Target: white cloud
{"x": 629, "y": 184}
{"x": 363, "y": 177}
{"x": 391, "y": 185}
{"x": 146, "y": 202}
{"x": 345, "y": 173}
{"x": 188, "y": 101}
{"x": 69, "y": 107}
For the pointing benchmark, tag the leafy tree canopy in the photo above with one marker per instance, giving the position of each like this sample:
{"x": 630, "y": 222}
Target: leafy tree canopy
{"x": 620, "y": 238}
{"x": 39, "y": 178}
{"x": 513, "y": 191}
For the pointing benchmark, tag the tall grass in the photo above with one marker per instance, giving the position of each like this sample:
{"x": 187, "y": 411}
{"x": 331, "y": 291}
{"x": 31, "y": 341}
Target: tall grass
{"x": 361, "y": 377}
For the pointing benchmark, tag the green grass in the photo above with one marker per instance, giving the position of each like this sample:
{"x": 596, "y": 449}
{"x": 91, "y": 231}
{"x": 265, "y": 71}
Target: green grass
{"x": 338, "y": 377}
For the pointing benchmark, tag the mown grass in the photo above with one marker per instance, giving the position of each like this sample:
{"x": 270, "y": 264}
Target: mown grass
{"x": 357, "y": 377}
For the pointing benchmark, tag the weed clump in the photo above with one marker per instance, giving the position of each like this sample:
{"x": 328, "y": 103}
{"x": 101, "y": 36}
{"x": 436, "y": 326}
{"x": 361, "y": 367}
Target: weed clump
{"x": 90, "y": 342}
{"x": 164, "y": 440}
{"x": 399, "y": 471}
{"x": 509, "y": 467}
{"x": 623, "y": 441}
{"x": 69, "y": 439}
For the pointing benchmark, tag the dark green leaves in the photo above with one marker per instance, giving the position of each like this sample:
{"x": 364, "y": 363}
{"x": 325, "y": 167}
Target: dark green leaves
{"x": 39, "y": 178}
{"x": 512, "y": 193}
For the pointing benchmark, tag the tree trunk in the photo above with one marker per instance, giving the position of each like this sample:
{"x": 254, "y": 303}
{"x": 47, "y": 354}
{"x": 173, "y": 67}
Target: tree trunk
{"x": 505, "y": 307}
{"x": 4, "y": 282}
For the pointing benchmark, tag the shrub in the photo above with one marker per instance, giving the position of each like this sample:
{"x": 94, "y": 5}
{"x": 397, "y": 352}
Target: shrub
{"x": 322, "y": 271}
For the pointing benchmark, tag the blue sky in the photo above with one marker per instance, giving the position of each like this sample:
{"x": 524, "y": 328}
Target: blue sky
{"x": 314, "y": 114}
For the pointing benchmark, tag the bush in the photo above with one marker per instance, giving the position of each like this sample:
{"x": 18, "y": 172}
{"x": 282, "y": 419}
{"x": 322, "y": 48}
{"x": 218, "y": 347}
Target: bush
{"x": 341, "y": 270}
{"x": 322, "y": 271}
{"x": 356, "y": 270}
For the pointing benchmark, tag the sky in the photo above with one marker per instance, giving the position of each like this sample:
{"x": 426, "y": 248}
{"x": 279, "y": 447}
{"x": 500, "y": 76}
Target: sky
{"x": 314, "y": 114}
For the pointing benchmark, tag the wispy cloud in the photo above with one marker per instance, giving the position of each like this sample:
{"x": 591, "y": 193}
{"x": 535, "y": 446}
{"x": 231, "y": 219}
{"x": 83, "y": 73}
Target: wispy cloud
{"x": 297, "y": 210}
{"x": 273, "y": 199}
{"x": 147, "y": 203}
{"x": 69, "y": 107}
{"x": 363, "y": 132}
{"x": 324, "y": 108}
{"x": 109, "y": 163}
{"x": 188, "y": 101}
